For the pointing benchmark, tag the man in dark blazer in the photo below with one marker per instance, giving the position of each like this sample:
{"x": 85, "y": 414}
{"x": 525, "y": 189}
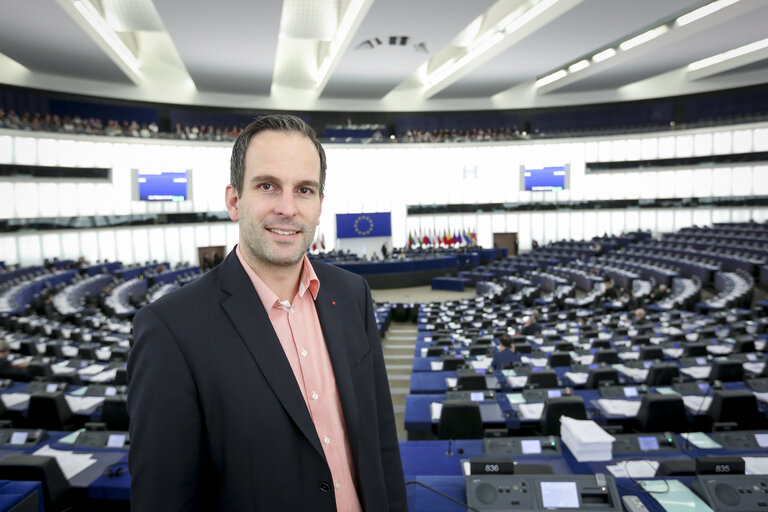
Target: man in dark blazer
{"x": 219, "y": 420}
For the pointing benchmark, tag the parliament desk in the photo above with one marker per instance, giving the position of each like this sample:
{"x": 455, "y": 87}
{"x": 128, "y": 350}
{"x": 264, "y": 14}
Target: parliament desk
{"x": 21, "y": 496}
{"x": 435, "y": 382}
{"x": 438, "y": 465}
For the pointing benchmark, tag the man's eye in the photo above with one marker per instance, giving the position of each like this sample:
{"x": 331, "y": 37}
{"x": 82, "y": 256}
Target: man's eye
{"x": 305, "y": 191}
{"x": 266, "y": 187}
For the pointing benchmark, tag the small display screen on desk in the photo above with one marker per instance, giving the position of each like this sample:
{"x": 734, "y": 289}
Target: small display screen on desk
{"x": 559, "y": 495}
{"x": 648, "y": 443}
{"x": 530, "y": 446}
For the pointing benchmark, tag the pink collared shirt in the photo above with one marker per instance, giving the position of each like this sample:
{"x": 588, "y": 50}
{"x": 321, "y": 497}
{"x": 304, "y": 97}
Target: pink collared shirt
{"x": 298, "y": 329}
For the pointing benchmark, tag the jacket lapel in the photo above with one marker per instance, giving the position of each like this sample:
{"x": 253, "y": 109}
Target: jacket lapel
{"x": 247, "y": 314}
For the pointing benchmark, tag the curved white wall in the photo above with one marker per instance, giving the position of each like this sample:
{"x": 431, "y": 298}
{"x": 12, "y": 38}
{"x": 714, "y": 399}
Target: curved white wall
{"x": 375, "y": 178}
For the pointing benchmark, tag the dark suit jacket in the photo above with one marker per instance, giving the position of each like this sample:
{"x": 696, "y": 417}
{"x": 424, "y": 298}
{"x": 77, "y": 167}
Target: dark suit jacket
{"x": 217, "y": 418}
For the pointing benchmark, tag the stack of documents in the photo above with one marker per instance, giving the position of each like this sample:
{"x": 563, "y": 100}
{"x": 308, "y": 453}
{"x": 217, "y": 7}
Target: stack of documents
{"x": 586, "y": 440}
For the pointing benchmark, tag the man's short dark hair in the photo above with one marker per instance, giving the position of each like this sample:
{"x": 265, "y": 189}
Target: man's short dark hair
{"x": 506, "y": 340}
{"x": 276, "y": 123}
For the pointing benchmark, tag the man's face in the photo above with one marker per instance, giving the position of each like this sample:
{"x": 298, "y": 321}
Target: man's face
{"x": 280, "y": 203}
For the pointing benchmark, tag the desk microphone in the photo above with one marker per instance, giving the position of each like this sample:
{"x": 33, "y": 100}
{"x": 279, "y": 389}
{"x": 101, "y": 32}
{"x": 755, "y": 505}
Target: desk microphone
{"x": 710, "y": 389}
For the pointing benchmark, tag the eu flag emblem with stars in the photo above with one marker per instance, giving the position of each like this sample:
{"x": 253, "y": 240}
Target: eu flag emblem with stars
{"x": 363, "y": 225}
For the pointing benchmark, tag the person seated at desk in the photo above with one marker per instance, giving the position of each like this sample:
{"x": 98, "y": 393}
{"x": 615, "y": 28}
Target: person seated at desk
{"x": 530, "y": 327}
{"x": 8, "y": 370}
{"x": 506, "y": 353}
{"x": 611, "y": 293}
{"x": 662, "y": 292}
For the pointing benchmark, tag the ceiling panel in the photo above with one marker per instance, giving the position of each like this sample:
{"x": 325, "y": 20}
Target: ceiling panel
{"x": 734, "y": 33}
{"x": 228, "y": 45}
{"x": 586, "y": 28}
{"x": 40, "y": 35}
{"x": 395, "y": 38}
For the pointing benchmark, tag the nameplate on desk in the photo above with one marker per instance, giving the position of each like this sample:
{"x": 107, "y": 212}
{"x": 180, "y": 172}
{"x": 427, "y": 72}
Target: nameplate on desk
{"x": 718, "y": 465}
{"x": 491, "y": 466}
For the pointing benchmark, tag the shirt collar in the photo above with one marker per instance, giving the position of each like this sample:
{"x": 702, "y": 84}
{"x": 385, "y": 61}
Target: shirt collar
{"x": 307, "y": 281}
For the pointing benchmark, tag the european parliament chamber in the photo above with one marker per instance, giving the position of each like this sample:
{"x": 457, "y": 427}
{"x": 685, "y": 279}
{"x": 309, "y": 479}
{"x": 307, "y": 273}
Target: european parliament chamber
{"x": 560, "y": 208}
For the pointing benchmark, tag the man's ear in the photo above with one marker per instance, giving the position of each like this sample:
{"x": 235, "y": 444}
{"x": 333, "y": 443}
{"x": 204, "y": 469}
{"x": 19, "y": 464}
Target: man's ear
{"x": 231, "y": 200}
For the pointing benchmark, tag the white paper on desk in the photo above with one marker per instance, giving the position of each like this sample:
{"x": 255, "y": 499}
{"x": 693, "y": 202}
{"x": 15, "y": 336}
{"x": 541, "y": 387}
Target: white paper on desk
{"x": 530, "y": 411}
{"x": 585, "y": 359}
{"x": 701, "y": 440}
{"x": 517, "y": 381}
{"x": 480, "y": 364}
{"x": 719, "y": 349}
{"x": 637, "y": 374}
{"x": 756, "y": 465}
{"x": 451, "y": 382}
{"x": 672, "y": 353}
{"x": 634, "y": 469}
{"x": 629, "y": 356}
{"x": 435, "y": 409}
{"x": 534, "y": 361}
{"x": 103, "y": 354}
{"x": 69, "y": 351}
{"x": 92, "y": 369}
{"x": 666, "y": 390}
{"x": 436, "y": 366}
{"x": 697, "y": 403}
{"x": 515, "y": 398}
{"x": 618, "y": 407}
{"x": 761, "y": 396}
{"x": 11, "y": 399}
{"x": 754, "y": 367}
{"x": 83, "y": 403}
{"x": 105, "y": 376}
{"x": 760, "y": 345}
{"x": 61, "y": 370}
{"x": 697, "y": 372}
{"x": 578, "y": 378}
{"x": 71, "y": 463}
{"x": 547, "y": 348}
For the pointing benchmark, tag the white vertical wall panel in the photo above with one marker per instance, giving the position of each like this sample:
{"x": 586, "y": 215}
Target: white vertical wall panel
{"x": 760, "y": 180}
{"x": 760, "y": 141}
{"x": 590, "y": 225}
{"x": 650, "y": 148}
{"x": 577, "y": 225}
{"x": 89, "y": 245}
{"x": 666, "y": 147}
{"x": 742, "y": 141}
{"x": 683, "y": 218}
{"x": 50, "y": 245}
{"x": 140, "y": 242}
{"x": 617, "y": 222}
{"x": 702, "y": 217}
{"x": 6, "y": 150}
{"x": 157, "y": 246}
{"x": 172, "y": 246}
{"x": 721, "y": 181}
{"x": 107, "y": 249}
{"x": 25, "y": 150}
{"x": 564, "y": 225}
{"x": 604, "y": 223}
{"x": 702, "y": 144}
{"x": 189, "y": 244}
{"x": 8, "y": 252}
{"x": 26, "y": 204}
{"x": 702, "y": 182}
{"x": 124, "y": 246}
{"x": 70, "y": 245}
{"x": 631, "y": 220}
{"x": 47, "y": 152}
{"x": 723, "y": 141}
{"x": 741, "y": 178}
{"x": 648, "y": 221}
{"x": 29, "y": 250}
{"x": 683, "y": 184}
{"x": 721, "y": 215}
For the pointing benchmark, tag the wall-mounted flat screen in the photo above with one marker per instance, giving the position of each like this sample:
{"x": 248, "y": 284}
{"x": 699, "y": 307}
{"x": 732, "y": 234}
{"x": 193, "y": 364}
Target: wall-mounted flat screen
{"x": 162, "y": 185}
{"x": 544, "y": 179}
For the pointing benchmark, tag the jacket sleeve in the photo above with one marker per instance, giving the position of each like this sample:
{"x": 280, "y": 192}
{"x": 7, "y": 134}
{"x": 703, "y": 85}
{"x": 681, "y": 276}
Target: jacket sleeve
{"x": 389, "y": 446}
{"x": 165, "y": 427}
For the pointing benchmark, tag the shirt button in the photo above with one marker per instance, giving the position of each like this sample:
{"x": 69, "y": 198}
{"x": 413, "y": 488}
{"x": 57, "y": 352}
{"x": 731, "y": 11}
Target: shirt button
{"x": 314, "y": 396}
{"x": 337, "y": 485}
{"x": 326, "y": 440}
{"x": 304, "y": 352}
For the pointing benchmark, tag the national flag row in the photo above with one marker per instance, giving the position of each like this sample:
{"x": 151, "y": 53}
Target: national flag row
{"x": 444, "y": 238}
{"x": 318, "y": 244}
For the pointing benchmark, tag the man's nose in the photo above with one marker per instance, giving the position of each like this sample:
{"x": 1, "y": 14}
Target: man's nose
{"x": 286, "y": 204}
